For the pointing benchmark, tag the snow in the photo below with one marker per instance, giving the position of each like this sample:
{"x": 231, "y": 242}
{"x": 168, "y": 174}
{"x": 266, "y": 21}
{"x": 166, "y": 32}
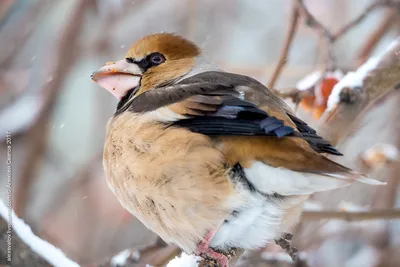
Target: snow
{"x": 46, "y": 250}
{"x": 315, "y": 77}
{"x": 352, "y": 79}
{"x": 185, "y": 260}
{"x": 356, "y": 78}
{"x": 121, "y": 258}
{"x": 309, "y": 81}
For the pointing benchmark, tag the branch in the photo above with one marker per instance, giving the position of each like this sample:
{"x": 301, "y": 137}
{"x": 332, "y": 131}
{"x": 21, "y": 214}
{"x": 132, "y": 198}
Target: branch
{"x": 233, "y": 256}
{"x": 356, "y": 21}
{"x": 373, "y": 39}
{"x": 38, "y": 133}
{"x": 284, "y": 243}
{"x": 27, "y": 249}
{"x": 323, "y": 31}
{"x": 161, "y": 255}
{"x": 312, "y": 22}
{"x": 288, "y": 42}
{"x": 330, "y": 37}
{"x": 197, "y": 261}
{"x": 295, "y": 94}
{"x": 155, "y": 255}
{"x": 347, "y": 102}
{"x": 299, "y": 9}
{"x": 389, "y": 214}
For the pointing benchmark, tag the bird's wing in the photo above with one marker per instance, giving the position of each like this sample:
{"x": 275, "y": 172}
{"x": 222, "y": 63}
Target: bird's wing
{"x": 250, "y": 123}
{"x": 225, "y": 104}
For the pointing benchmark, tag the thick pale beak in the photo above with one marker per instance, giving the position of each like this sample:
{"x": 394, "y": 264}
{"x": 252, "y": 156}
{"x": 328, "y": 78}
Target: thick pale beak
{"x": 118, "y": 77}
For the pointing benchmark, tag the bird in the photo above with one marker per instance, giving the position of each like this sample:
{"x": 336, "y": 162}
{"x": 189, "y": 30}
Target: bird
{"x": 207, "y": 159}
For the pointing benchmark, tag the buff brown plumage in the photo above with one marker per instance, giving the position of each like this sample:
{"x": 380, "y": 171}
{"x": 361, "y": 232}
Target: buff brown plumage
{"x": 208, "y": 159}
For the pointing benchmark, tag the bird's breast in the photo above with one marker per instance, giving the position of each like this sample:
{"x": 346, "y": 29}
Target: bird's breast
{"x": 173, "y": 180}
{"x": 179, "y": 185}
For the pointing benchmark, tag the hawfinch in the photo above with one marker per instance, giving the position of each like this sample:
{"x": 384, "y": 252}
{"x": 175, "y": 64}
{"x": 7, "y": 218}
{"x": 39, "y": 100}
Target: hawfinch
{"x": 207, "y": 159}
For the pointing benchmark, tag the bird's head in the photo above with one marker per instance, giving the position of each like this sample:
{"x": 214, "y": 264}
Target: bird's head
{"x": 153, "y": 61}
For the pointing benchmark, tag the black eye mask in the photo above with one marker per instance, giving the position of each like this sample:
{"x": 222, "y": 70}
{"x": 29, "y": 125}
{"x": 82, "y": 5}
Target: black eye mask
{"x": 154, "y": 59}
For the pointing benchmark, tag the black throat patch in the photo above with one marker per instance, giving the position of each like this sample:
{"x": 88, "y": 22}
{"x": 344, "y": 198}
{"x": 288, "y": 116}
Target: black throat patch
{"x": 121, "y": 107}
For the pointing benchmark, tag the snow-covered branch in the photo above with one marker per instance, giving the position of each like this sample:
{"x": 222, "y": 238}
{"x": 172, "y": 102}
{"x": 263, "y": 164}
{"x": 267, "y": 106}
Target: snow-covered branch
{"x": 358, "y": 90}
{"x": 185, "y": 260}
{"x": 27, "y": 248}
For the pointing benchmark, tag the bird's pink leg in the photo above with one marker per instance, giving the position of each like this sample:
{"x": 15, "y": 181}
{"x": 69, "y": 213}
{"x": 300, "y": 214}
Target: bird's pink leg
{"x": 203, "y": 248}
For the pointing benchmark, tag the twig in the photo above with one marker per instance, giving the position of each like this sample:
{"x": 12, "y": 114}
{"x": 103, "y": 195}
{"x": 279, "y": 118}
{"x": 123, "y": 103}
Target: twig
{"x": 293, "y": 93}
{"x": 37, "y": 135}
{"x": 323, "y": 31}
{"x": 325, "y": 34}
{"x": 331, "y": 38}
{"x": 284, "y": 243}
{"x": 288, "y": 42}
{"x": 154, "y": 255}
{"x": 373, "y": 39}
{"x": 158, "y": 255}
{"x": 233, "y": 256}
{"x": 389, "y": 214}
{"x": 355, "y": 21}
{"x": 312, "y": 22}
{"x": 319, "y": 51}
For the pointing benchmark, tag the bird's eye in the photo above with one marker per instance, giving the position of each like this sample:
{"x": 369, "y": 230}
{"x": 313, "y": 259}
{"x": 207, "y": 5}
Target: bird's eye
{"x": 157, "y": 59}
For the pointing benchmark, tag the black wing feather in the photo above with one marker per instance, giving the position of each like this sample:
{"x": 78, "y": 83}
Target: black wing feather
{"x": 317, "y": 143}
{"x": 237, "y": 117}
{"x": 234, "y": 116}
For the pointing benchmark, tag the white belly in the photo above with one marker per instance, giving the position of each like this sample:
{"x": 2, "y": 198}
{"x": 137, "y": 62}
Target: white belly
{"x": 259, "y": 219}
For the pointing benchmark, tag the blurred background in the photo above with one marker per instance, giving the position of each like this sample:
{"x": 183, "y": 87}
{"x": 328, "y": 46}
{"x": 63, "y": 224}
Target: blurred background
{"x": 56, "y": 116}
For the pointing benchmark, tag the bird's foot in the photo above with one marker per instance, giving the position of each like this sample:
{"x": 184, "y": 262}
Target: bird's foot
{"x": 203, "y": 249}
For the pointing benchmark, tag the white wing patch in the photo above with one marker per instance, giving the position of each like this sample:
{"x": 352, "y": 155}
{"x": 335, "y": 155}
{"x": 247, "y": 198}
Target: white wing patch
{"x": 164, "y": 114}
